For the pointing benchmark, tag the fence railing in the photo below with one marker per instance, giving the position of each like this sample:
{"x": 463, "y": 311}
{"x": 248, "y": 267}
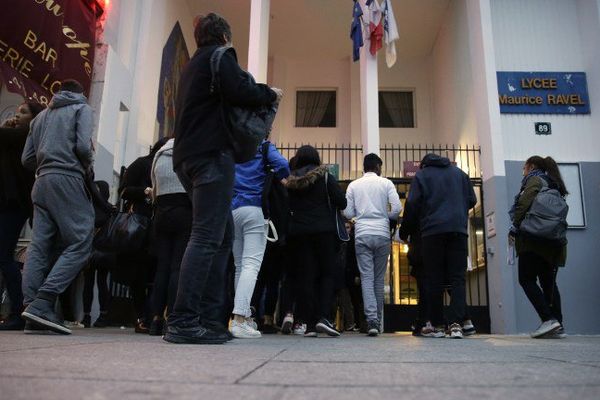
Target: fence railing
{"x": 349, "y": 158}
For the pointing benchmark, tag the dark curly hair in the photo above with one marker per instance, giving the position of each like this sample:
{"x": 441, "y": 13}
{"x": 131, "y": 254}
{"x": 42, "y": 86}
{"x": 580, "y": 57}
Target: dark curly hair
{"x": 211, "y": 30}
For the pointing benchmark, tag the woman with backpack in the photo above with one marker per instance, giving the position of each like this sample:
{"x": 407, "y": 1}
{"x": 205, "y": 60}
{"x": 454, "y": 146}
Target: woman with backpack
{"x": 539, "y": 256}
{"x": 250, "y": 231}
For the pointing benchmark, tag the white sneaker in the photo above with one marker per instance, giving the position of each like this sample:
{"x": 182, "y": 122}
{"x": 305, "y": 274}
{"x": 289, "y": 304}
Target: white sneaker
{"x": 546, "y": 327}
{"x": 468, "y": 328}
{"x": 287, "y": 325}
{"x": 299, "y": 329}
{"x": 243, "y": 330}
{"x": 252, "y": 323}
{"x": 456, "y": 331}
{"x": 74, "y": 325}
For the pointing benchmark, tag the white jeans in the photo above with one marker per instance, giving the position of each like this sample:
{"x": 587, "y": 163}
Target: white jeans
{"x": 248, "y": 250}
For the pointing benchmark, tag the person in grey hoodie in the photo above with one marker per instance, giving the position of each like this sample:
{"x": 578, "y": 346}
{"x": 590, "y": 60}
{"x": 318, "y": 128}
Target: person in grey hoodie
{"x": 59, "y": 149}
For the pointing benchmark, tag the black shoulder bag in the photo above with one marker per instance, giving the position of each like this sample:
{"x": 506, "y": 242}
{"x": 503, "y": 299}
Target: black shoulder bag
{"x": 246, "y": 128}
{"x": 340, "y": 227}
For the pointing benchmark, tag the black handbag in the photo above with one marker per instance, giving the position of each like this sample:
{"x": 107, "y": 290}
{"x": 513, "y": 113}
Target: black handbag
{"x": 124, "y": 232}
{"x": 247, "y": 127}
{"x": 340, "y": 226}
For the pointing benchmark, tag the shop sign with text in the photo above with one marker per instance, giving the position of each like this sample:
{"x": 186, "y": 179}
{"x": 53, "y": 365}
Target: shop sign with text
{"x": 543, "y": 92}
{"x": 45, "y": 41}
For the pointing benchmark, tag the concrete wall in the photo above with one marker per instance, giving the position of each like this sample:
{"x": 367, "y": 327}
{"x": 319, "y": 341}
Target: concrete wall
{"x": 452, "y": 83}
{"x": 549, "y": 35}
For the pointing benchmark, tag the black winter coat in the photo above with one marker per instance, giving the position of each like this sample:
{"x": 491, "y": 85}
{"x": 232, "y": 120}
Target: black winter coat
{"x": 135, "y": 181}
{"x": 199, "y": 129}
{"x": 310, "y": 212}
{"x": 15, "y": 181}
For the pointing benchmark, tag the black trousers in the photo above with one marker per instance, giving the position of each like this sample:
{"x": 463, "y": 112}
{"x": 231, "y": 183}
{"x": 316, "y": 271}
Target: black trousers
{"x": 267, "y": 283}
{"x": 316, "y": 254}
{"x": 445, "y": 256}
{"x": 88, "y": 289}
{"x": 172, "y": 224}
{"x": 201, "y": 291}
{"x": 545, "y": 299}
{"x": 12, "y": 220}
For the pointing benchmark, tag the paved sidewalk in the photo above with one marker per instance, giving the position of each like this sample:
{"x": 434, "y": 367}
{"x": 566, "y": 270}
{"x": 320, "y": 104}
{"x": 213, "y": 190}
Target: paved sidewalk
{"x": 114, "y": 364}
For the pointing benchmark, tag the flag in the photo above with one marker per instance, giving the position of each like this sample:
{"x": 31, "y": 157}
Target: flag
{"x": 375, "y": 26}
{"x": 390, "y": 33}
{"x": 356, "y": 31}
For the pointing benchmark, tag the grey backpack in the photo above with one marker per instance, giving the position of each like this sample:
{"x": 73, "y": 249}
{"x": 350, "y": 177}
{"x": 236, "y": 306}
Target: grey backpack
{"x": 547, "y": 216}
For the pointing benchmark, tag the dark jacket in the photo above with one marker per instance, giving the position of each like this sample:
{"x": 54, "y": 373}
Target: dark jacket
{"x": 199, "y": 128}
{"x": 135, "y": 180}
{"x": 444, "y": 195}
{"x": 15, "y": 181}
{"x": 410, "y": 228}
{"x": 555, "y": 255}
{"x": 309, "y": 210}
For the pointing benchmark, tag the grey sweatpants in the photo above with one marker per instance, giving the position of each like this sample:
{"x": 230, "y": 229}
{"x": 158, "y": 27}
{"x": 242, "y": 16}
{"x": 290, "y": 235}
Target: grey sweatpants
{"x": 63, "y": 225}
{"x": 372, "y": 254}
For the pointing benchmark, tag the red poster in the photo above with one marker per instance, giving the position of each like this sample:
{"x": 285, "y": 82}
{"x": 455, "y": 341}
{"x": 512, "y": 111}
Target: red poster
{"x": 45, "y": 41}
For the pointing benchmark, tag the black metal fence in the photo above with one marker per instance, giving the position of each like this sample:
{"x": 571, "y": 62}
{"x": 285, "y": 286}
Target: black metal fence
{"x": 348, "y": 158}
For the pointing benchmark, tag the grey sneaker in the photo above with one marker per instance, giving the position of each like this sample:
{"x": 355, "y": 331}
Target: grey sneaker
{"x": 546, "y": 327}
{"x": 430, "y": 331}
{"x": 373, "y": 328}
{"x": 41, "y": 313}
{"x": 456, "y": 331}
{"x": 557, "y": 334}
{"x": 468, "y": 328}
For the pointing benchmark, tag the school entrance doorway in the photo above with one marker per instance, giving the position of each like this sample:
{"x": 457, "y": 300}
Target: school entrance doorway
{"x": 401, "y": 292}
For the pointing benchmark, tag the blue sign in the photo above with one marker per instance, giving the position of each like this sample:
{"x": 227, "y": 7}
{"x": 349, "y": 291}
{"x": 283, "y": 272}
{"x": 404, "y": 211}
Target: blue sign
{"x": 543, "y": 93}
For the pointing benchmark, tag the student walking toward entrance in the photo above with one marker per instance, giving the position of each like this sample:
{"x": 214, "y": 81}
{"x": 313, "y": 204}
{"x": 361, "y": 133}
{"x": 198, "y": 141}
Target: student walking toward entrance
{"x": 539, "y": 257}
{"x": 251, "y": 227}
{"x": 60, "y": 149}
{"x": 443, "y": 195}
{"x": 203, "y": 160}
{"x": 373, "y": 201}
{"x": 313, "y": 232}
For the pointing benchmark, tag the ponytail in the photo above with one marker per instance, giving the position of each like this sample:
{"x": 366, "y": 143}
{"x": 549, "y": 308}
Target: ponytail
{"x": 551, "y": 169}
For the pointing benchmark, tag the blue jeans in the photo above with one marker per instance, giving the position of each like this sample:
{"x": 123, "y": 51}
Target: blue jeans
{"x": 201, "y": 290}
{"x": 12, "y": 220}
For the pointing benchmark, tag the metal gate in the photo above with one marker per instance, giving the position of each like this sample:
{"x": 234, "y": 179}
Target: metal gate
{"x": 401, "y": 293}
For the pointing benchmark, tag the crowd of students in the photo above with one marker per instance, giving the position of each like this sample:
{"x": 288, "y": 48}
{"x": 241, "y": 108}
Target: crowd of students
{"x": 214, "y": 265}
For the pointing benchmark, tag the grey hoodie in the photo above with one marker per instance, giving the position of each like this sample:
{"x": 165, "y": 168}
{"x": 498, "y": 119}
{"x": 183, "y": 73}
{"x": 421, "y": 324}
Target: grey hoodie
{"x": 60, "y": 137}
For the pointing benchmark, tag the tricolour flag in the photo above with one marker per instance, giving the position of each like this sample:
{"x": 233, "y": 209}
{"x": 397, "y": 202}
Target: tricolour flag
{"x": 390, "y": 33}
{"x": 356, "y": 31}
{"x": 375, "y": 26}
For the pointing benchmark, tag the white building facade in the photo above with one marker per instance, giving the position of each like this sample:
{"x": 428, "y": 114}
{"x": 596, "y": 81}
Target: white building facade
{"x": 448, "y": 56}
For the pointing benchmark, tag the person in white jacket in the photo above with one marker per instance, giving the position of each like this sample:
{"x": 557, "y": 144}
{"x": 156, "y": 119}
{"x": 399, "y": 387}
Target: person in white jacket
{"x": 372, "y": 202}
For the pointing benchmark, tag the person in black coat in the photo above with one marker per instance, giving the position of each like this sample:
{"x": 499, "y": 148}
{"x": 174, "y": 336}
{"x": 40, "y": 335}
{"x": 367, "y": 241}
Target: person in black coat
{"x": 136, "y": 268}
{"x": 314, "y": 196}
{"x": 203, "y": 160}
{"x": 15, "y": 204}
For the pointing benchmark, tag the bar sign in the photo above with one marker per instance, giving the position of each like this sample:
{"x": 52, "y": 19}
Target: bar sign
{"x": 543, "y": 128}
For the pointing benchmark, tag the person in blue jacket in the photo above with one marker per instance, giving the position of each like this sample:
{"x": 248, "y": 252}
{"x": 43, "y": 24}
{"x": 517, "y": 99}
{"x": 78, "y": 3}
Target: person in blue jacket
{"x": 250, "y": 231}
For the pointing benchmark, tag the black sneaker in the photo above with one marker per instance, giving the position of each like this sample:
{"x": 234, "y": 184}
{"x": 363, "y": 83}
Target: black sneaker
{"x": 102, "y": 321}
{"x": 87, "y": 321}
{"x": 193, "y": 335}
{"x": 268, "y": 329}
{"x": 324, "y": 326}
{"x": 31, "y": 328}
{"x": 14, "y": 322}
{"x": 41, "y": 312}
{"x": 157, "y": 327}
{"x": 373, "y": 328}
{"x": 468, "y": 328}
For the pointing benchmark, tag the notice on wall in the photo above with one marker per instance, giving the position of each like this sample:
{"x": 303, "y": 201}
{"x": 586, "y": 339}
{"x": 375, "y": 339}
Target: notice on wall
{"x": 45, "y": 42}
{"x": 543, "y": 92}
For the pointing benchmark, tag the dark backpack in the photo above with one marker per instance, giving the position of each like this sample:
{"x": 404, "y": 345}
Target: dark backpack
{"x": 246, "y": 126}
{"x": 546, "y": 219}
{"x": 275, "y": 203}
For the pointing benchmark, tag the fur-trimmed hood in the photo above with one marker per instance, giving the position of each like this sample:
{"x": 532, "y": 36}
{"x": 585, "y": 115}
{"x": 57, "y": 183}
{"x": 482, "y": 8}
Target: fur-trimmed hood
{"x": 305, "y": 177}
